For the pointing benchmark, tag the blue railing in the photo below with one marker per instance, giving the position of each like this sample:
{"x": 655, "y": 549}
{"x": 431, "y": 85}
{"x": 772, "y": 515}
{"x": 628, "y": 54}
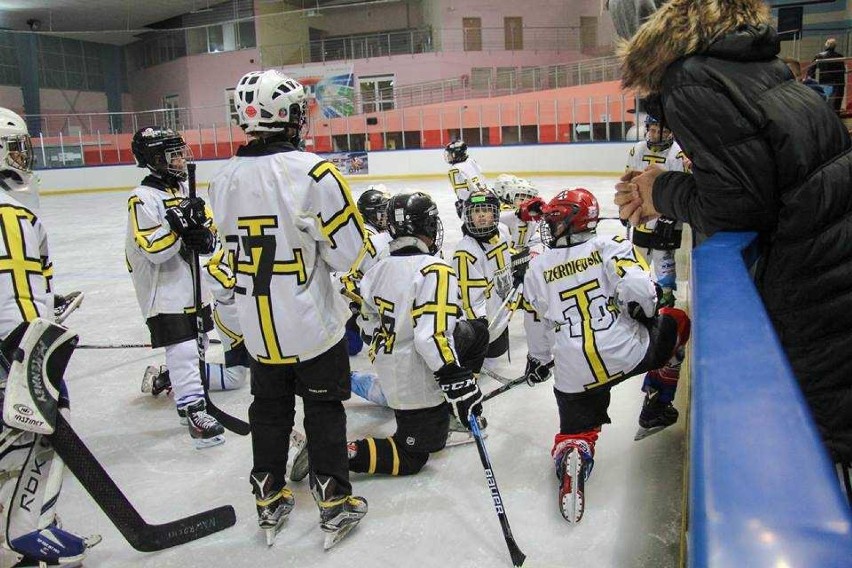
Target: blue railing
{"x": 763, "y": 492}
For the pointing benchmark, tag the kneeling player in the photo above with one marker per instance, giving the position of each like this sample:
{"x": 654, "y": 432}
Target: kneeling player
{"x": 424, "y": 356}
{"x": 597, "y": 295}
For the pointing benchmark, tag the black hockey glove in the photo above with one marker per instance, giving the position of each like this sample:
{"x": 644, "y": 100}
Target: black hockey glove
{"x": 520, "y": 263}
{"x": 460, "y": 391}
{"x": 199, "y": 239}
{"x": 188, "y": 214}
{"x": 536, "y": 371}
{"x": 459, "y": 208}
{"x": 667, "y": 234}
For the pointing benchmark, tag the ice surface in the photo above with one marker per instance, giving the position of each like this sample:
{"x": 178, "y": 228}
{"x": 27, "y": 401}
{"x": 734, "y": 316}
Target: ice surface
{"x": 440, "y": 517}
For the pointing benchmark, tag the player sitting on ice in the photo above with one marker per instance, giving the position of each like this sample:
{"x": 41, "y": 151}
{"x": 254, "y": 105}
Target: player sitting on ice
{"x": 659, "y": 238}
{"x": 512, "y": 191}
{"x": 164, "y": 227}
{"x": 30, "y": 472}
{"x": 598, "y": 298}
{"x": 424, "y": 355}
{"x": 465, "y": 174}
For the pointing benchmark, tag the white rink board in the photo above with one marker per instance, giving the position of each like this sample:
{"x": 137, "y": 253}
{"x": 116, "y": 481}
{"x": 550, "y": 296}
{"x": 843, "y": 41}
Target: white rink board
{"x": 441, "y": 517}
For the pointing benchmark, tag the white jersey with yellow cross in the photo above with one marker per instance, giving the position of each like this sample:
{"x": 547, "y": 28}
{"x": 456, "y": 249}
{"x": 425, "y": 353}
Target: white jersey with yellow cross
{"x": 286, "y": 219}
{"x": 573, "y": 290}
{"x": 465, "y": 178}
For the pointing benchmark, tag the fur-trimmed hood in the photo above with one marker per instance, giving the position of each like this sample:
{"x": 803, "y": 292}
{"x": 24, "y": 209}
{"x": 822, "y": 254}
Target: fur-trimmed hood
{"x": 686, "y": 27}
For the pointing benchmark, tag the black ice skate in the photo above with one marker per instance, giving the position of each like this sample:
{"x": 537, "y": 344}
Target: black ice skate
{"x": 156, "y": 380}
{"x": 339, "y": 514}
{"x": 459, "y": 435}
{"x": 273, "y": 505}
{"x": 204, "y": 429}
{"x": 655, "y": 416}
{"x": 573, "y": 469}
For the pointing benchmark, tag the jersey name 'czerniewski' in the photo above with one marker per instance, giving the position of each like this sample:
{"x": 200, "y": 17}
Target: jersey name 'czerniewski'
{"x": 286, "y": 219}
{"x": 411, "y": 311}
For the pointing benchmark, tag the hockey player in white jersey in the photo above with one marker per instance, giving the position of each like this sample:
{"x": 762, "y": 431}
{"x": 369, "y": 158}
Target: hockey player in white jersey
{"x": 163, "y": 227}
{"x": 372, "y": 204}
{"x": 512, "y": 191}
{"x": 30, "y": 472}
{"x": 659, "y": 238}
{"x": 465, "y": 174}
{"x": 424, "y": 355}
{"x": 287, "y": 219}
{"x": 597, "y": 297}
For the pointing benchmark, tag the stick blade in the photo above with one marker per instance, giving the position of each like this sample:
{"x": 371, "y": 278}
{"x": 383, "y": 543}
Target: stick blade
{"x": 182, "y": 531}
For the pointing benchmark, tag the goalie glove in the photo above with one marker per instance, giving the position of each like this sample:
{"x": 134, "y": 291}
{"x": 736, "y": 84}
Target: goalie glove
{"x": 536, "y": 371}
{"x": 530, "y": 209}
{"x": 460, "y": 391}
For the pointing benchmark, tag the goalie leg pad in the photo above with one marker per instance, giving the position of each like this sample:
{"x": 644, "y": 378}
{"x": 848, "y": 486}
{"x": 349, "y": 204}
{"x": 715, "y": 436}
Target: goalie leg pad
{"x": 35, "y": 391}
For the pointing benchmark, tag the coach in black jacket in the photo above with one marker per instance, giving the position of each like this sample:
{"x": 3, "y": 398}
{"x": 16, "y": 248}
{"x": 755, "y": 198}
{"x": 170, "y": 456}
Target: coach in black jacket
{"x": 768, "y": 155}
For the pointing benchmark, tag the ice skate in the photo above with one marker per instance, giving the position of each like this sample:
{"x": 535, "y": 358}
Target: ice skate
{"x": 459, "y": 435}
{"x": 655, "y": 416}
{"x": 339, "y": 514}
{"x": 204, "y": 429}
{"x": 64, "y": 306}
{"x": 53, "y": 546}
{"x": 156, "y": 380}
{"x": 299, "y": 450}
{"x": 273, "y": 506}
{"x": 573, "y": 467}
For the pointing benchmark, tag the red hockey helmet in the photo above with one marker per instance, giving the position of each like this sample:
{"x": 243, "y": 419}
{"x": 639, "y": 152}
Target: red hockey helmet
{"x": 573, "y": 209}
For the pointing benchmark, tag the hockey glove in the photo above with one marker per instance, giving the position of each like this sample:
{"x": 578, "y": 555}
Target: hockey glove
{"x": 460, "y": 391}
{"x": 188, "y": 214}
{"x": 199, "y": 239}
{"x": 536, "y": 371}
{"x": 520, "y": 263}
{"x": 531, "y": 209}
{"x": 667, "y": 234}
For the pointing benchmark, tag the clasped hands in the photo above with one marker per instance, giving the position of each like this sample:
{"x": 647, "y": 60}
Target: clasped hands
{"x": 633, "y": 195}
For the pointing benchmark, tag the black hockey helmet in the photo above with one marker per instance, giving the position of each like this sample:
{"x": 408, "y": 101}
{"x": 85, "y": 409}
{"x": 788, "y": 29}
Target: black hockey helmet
{"x": 481, "y": 215}
{"x": 415, "y": 215}
{"x": 373, "y": 205}
{"x": 163, "y": 151}
{"x": 455, "y": 152}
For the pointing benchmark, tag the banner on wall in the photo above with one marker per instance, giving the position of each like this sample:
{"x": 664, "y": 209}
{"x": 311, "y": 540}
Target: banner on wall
{"x": 331, "y": 89}
{"x": 349, "y": 163}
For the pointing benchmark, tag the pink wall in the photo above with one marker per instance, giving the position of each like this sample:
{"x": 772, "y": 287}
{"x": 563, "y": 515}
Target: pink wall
{"x": 12, "y": 98}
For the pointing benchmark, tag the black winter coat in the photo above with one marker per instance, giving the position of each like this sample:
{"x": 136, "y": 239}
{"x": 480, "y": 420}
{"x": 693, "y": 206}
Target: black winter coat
{"x": 770, "y": 155}
{"x": 830, "y": 72}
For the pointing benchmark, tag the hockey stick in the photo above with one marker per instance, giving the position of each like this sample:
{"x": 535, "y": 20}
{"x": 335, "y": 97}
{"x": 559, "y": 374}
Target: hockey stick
{"x": 128, "y": 345}
{"x": 142, "y": 536}
{"x": 509, "y": 384}
{"x": 504, "y": 314}
{"x": 518, "y": 557}
{"x": 232, "y": 423}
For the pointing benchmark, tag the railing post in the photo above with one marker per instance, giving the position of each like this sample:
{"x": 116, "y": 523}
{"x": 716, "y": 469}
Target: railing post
{"x": 230, "y": 139}
{"x": 61, "y": 148}
{"x": 591, "y": 121}
{"x": 82, "y": 153}
{"x": 556, "y": 119}
{"x": 200, "y": 145}
{"x": 100, "y": 149}
{"x": 215, "y": 142}
{"x": 402, "y": 125}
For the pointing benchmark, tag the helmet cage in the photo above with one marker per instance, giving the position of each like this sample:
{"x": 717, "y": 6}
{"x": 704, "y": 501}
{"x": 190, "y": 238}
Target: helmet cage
{"x": 664, "y": 139}
{"x": 476, "y": 209}
{"x": 18, "y": 151}
{"x": 402, "y": 222}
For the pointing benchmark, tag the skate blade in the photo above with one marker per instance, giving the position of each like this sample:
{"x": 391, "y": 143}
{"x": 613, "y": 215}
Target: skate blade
{"x": 271, "y": 533}
{"x": 458, "y": 438}
{"x": 572, "y": 503}
{"x": 204, "y": 443}
{"x": 333, "y": 537}
{"x": 92, "y": 540}
{"x": 148, "y": 380}
{"x": 643, "y": 433}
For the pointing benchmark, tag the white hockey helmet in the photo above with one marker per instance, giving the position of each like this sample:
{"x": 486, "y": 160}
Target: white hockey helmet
{"x": 16, "y": 148}
{"x": 502, "y": 185}
{"x": 270, "y": 101}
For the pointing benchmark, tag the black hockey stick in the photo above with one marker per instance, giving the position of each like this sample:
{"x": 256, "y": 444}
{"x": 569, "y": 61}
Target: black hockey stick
{"x": 518, "y": 557}
{"x": 231, "y": 423}
{"x": 142, "y": 536}
{"x": 509, "y": 384}
{"x": 127, "y": 345}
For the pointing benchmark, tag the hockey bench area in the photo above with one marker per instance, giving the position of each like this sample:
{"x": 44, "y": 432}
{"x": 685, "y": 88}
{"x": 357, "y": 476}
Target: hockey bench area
{"x": 762, "y": 489}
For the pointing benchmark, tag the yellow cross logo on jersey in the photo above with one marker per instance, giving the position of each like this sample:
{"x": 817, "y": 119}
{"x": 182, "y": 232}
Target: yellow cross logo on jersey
{"x": 16, "y": 263}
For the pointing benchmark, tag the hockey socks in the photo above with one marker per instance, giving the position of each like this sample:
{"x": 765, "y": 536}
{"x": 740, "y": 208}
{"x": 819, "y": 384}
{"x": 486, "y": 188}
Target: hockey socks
{"x": 383, "y": 455}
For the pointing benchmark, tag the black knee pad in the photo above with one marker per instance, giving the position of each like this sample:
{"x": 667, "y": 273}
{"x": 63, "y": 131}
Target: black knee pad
{"x": 384, "y": 455}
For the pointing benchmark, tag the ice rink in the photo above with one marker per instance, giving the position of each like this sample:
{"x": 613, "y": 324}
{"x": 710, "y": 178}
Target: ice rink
{"x": 442, "y": 517}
